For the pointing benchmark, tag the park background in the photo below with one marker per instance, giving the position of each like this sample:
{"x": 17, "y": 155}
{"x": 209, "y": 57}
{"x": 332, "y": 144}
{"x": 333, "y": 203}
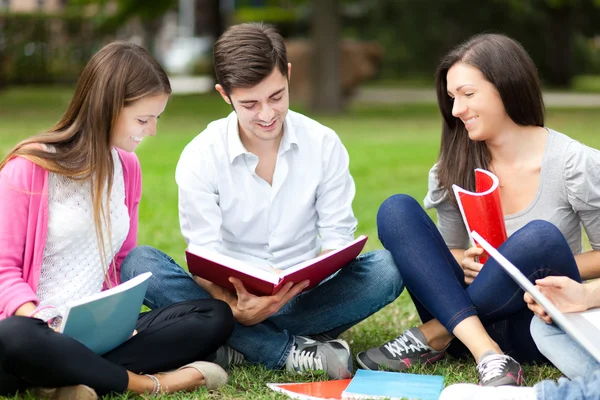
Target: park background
{"x": 362, "y": 67}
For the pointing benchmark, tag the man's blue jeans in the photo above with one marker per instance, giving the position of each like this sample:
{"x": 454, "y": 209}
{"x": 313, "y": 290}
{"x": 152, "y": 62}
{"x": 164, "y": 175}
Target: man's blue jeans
{"x": 581, "y": 388}
{"x": 562, "y": 351}
{"x": 358, "y": 290}
{"x": 436, "y": 283}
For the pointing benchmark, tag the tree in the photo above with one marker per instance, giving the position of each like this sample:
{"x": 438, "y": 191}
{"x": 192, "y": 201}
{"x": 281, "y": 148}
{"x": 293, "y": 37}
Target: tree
{"x": 326, "y": 56}
{"x": 149, "y": 14}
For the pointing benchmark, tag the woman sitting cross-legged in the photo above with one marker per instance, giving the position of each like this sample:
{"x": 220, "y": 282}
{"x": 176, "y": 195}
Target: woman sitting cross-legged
{"x": 493, "y": 118}
{"x": 68, "y": 217}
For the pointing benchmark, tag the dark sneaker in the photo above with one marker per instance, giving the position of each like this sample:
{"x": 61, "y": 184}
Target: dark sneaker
{"x": 225, "y": 357}
{"x": 498, "y": 370}
{"x": 332, "y": 356}
{"x": 399, "y": 354}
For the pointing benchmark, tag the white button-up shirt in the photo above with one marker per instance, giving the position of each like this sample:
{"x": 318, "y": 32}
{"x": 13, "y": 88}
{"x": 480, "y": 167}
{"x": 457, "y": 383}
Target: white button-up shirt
{"x": 226, "y": 207}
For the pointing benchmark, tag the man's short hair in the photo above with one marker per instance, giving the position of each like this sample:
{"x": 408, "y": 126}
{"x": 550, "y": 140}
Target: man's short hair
{"x": 248, "y": 53}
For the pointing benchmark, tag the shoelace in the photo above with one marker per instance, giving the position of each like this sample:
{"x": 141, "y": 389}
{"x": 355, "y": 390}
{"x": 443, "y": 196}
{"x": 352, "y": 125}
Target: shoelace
{"x": 303, "y": 360}
{"x": 492, "y": 366}
{"x": 405, "y": 343}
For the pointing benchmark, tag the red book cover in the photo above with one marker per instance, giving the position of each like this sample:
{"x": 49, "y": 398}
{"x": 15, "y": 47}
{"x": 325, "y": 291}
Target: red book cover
{"x": 217, "y": 268}
{"x": 330, "y": 390}
{"x": 481, "y": 210}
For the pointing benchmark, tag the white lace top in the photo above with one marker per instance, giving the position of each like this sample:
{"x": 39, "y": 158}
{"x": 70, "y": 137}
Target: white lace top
{"x": 71, "y": 266}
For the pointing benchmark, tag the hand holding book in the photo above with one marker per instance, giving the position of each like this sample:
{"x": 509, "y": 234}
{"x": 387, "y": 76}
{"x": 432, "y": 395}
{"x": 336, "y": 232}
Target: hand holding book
{"x": 247, "y": 308}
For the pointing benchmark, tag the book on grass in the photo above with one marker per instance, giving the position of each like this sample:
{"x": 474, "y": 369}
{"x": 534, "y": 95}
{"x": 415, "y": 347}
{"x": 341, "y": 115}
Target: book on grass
{"x": 482, "y": 210}
{"x": 323, "y": 390}
{"x": 107, "y": 319}
{"x": 393, "y": 386}
{"x": 217, "y": 268}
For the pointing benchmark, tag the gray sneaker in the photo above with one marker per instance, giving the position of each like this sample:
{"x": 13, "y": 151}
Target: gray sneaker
{"x": 499, "y": 370}
{"x": 225, "y": 357}
{"x": 332, "y": 356}
{"x": 399, "y": 354}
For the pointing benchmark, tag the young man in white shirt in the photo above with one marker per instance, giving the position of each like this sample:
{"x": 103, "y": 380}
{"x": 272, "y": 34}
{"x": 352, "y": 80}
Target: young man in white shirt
{"x": 271, "y": 187}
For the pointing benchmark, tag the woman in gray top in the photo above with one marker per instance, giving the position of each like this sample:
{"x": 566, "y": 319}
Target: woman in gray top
{"x": 493, "y": 118}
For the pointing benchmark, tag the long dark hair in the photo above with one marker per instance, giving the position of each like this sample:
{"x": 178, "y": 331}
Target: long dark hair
{"x": 115, "y": 77}
{"x": 506, "y": 65}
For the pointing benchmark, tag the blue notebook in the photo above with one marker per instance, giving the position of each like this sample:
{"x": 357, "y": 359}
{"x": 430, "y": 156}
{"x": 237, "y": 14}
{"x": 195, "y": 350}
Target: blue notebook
{"x": 393, "y": 385}
{"x": 107, "y": 319}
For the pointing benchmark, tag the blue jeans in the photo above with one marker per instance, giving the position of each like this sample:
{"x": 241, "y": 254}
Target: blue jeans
{"x": 358, "y": 290}
{"x": 581, "y": 388}
{"x": 562, "y": 351}
{"x": 436, "y": 283}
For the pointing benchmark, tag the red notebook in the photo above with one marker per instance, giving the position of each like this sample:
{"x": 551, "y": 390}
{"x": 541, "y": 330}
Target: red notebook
{"x": 481, "y": 210}
{"x": 330, "y": 390}
{"x": 217, "y": 268}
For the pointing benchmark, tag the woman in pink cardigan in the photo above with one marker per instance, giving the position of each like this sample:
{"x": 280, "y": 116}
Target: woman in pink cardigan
{"x": 68, "y": 217}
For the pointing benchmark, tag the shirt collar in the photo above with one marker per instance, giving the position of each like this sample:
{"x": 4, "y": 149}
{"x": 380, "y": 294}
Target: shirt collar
{"x": 236, "y": 147}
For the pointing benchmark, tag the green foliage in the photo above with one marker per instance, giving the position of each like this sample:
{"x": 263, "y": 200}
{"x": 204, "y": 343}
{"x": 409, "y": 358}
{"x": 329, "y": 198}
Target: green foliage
{"x": 45, "y": 48}
{"x": 415, "y": 34}
{"x": 106, "y": 21}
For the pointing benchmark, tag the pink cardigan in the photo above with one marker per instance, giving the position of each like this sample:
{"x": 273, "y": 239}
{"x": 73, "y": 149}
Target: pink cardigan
{"x": 24, "y": 223}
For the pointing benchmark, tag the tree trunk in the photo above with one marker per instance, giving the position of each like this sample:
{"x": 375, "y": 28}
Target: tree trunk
{"x": 560, "y": 51}
{"x": 326, "y": 56}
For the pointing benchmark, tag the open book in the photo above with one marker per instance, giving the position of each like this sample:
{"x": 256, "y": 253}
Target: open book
{"x": 107, "y": 319}
{"x": 481, "y": 210}
{"x": 217, "y": 268}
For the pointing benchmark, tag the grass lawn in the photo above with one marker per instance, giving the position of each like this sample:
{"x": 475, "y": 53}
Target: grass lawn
{"x": 391, "y": 150}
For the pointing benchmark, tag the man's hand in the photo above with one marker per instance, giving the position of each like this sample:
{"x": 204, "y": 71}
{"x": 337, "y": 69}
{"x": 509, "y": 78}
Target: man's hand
{"x": 470, "y": 267}
{"x": 217, "y": 292}
{"x": 566, "y": 294}
{"x": 251, "y": 309}
{"x": 247, "y": 308}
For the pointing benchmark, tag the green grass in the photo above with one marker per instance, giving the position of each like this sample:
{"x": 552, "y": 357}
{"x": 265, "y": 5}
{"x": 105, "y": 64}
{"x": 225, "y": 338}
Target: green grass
{"x": 391, "y": 150}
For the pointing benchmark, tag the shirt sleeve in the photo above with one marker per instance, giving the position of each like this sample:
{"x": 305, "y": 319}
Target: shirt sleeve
{"x": 582, "y": 182}
{"x": 449, "y": 220}
{"x": 199, "y": 212}
{"x": 335, "y": 193}
{"x": 15, "y": 200}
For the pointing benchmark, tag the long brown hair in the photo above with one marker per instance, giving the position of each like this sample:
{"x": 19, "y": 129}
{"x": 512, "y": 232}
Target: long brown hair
{"x": 505, "y": 64}
{"x": 78, "y": 146}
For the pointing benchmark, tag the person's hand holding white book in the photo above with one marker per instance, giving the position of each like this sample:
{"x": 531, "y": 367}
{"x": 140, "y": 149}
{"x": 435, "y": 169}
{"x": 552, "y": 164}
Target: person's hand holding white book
{"x": 247, "y": 308}
{"x": 566, "y": 294}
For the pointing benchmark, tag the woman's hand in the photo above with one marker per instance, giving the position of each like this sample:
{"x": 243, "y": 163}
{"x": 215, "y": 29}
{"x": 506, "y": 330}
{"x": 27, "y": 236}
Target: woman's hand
{"x": 247, "y": 308}
{"x": 566, "y": 294}
{"x": 471, "y": 267}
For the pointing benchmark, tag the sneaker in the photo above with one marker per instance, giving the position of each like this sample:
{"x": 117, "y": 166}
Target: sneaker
{"x": 465, "y": 391}
{"x": 498, "y": 370}
{"x": 332, "y": 356}
{"x": 77, "y": 392}
{"x": 399, "y": 354}
{"x": 225, "y": 357}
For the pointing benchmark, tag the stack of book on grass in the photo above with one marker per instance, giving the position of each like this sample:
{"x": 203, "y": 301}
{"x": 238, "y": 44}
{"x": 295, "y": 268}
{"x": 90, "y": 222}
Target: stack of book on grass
{"x": 367, "y": 385}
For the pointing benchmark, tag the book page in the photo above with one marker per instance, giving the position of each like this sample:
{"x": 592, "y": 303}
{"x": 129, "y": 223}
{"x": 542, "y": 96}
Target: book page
{"x": 592, "y": 316}
{"x": 265, "y": 273}
{"x": 307, "y": 263}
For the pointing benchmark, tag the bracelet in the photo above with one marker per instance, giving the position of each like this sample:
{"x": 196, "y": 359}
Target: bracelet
{"x": 156, "y": 389}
